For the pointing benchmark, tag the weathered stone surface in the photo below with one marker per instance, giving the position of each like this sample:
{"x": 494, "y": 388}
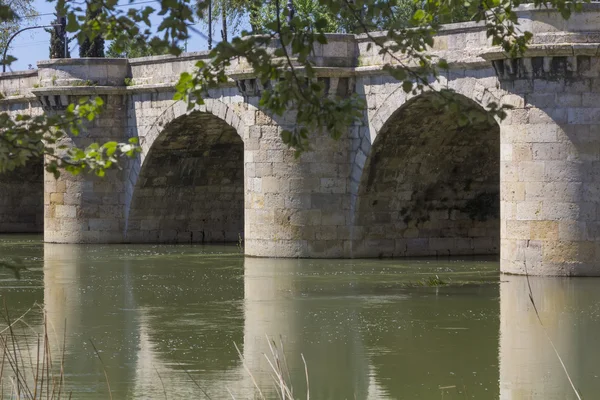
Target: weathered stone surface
{"x": 427, "y": 177}
{"x": 406, "y": 180}
{"x": 191, "y": 186}
{"x": 22, "y": 199}
{"x": 84, "y": 208}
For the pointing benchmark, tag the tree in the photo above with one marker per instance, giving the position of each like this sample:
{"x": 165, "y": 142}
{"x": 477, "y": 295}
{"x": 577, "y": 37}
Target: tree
{"x": 209, "y": 23}
{"x": 23, "y": 13}
{"x": 58, "y": 40}
{"x": 224, "y": 9}
{"x": 232, "y": 13}
{"x": 293, "y": 38}
{"x": 136, "y": 47}
{"x": 93, "y": 45}
{"x": 310, "y": 10}
{"x": 255, "y": 6}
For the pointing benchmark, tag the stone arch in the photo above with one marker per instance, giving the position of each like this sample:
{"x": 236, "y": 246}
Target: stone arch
{"x": 482, "y": 91}
{"x": 429, "y": 186}
{"x": 468, "y": 87}
{"x": 188, "y": 183}
{"x": 22, "y": 198}
{"x": 217, "y": 108}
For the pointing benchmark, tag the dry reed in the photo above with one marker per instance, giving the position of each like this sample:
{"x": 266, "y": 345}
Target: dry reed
{"x": 26, "y": 373}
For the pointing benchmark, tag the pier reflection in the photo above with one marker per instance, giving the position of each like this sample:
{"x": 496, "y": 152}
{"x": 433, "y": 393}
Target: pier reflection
{"x": 89, "y": 301}
{"x": 569, "y": 309}
{"x": 162, "y": 316}
{"x": 311, "y": 320}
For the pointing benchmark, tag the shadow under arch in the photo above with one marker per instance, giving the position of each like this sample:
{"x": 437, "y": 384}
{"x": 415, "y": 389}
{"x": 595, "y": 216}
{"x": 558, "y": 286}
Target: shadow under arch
{"x": 22, "y": 198}
{"x": 190, "y": 186}
{"x": 430, "y": 185}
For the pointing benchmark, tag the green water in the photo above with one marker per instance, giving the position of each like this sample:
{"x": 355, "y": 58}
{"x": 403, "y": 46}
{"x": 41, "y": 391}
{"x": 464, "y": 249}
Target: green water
{"x": 164, "y": 317}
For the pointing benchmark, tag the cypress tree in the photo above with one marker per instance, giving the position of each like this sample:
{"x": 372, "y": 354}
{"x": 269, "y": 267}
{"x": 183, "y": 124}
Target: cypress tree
{"x": 95, "y": 47}
{"x": 254, "y": 15}
{"x": 58, "y": 38}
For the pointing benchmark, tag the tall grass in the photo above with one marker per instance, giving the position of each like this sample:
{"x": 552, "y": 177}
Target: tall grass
{"x": 280, "y": 372}
{"x": 28, "y": 370}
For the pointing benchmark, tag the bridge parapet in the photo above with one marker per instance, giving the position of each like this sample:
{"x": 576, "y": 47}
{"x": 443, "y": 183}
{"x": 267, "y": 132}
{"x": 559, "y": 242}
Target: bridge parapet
{"x": 459, "y": 44}
{"x": 160, "y": 70}
{"x": 16, "y": 86}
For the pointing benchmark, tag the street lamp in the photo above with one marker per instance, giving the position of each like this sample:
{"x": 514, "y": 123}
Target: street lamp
{"x": 19, "y": 31}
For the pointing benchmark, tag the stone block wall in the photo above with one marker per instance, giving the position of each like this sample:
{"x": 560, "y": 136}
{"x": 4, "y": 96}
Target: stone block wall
{"x": 82, "y": 72}
{"x": 22, "y": 199}
{"x": 15, "y": 87}
{"x": 551, "y": 168}
{"x": 162, "y": 70}
{"x": 549, "y": 148}
{"x": 406, "y": 180}
{"x": 21, "y": 190}
{"x": 459, "y": 44}
{"x": 86, "y": 208}
{"x": 430, "y": 186}
{"x": 191, "y": 186}
{"x": 291, "y": 207}
{"x": 295, "y": 207}
{"x": 187, "y": 184}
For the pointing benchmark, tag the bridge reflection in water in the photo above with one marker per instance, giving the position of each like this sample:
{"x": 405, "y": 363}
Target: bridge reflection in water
{"x": 158, "y": 314}
{"x": 570, "y": 311}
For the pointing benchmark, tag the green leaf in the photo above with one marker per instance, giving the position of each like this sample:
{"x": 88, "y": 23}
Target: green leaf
{"x": 286, "y": 136}
{"x": 419, "y": 15}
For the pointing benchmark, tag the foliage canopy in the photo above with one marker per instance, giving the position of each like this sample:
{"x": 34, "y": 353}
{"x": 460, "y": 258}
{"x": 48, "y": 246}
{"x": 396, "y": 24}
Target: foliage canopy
{"x": 288, "y": 69}
{"x": 23, "y": 13}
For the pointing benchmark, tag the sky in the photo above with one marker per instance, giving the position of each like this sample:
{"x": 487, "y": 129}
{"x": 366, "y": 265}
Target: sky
{"x": 33, "y": 45}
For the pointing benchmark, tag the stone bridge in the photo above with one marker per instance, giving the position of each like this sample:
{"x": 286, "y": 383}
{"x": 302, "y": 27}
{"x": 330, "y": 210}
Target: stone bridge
{"x": 408, "y": 180}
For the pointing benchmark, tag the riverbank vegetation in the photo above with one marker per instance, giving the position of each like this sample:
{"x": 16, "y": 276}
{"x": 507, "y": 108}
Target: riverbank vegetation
{"x": 28, "y": 368}
{"x": 32, "y": 365}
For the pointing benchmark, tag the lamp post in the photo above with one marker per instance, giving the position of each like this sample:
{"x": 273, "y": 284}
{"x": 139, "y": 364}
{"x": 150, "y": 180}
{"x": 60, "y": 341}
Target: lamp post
{"x": 19, "y": 31}
{"x": 210, "y": 24}
{"x": 291, "y": 11}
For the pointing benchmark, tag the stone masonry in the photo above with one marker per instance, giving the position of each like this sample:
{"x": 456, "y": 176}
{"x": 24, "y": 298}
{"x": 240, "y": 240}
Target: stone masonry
{"x": 191, "y": 189}
{"x": 550, "y": 148}
{"x": 22, "y": 201}
{"x": 444, "y": 200}
{"x": 22, "y": 190}
{"x": 407, "y": 180}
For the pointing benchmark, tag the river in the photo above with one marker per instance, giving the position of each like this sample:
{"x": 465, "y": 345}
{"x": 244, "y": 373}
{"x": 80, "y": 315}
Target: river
{"x": 165, "y": 321}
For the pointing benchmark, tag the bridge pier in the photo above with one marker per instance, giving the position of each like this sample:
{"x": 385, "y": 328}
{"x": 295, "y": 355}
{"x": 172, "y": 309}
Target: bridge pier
{"x": 550, "y": 185}
{"x": 21, "y": 190}
{"x": 85, "y": 208}
{"x": 550, "y": 150}
{"x": 296, "y": 207}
